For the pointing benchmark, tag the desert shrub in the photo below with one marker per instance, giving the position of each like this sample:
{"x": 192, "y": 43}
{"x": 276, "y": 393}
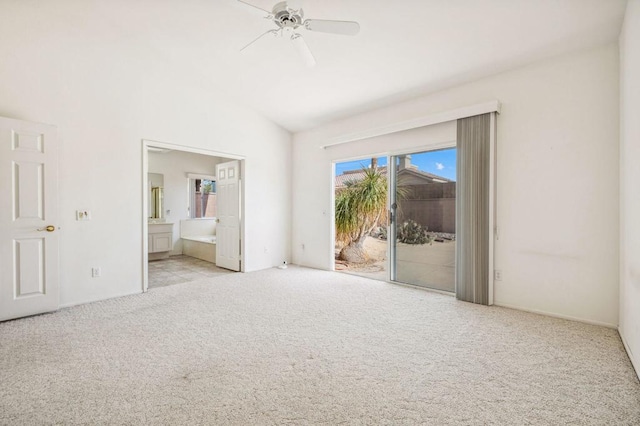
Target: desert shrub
{"x": 360, "y": 207}
{"x": 382, "y": 233}
{"x": 411, "y": 232}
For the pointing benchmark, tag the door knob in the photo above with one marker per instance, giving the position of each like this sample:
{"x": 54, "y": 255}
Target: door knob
{"x": 49, "y": 228}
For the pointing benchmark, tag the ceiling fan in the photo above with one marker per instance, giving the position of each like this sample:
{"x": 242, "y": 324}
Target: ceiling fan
{"x": 289, "y": 18}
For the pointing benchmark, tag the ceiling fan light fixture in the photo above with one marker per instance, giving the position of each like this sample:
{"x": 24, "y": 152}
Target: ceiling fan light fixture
{"x": 289, "y": 19}
{"x": 285, "y": 17}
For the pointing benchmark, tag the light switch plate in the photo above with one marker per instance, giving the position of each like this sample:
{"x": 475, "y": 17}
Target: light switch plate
{"x": 83, "y": 214}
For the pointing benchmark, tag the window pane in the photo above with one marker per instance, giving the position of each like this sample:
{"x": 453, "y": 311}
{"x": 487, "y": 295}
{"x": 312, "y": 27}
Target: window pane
{"x": 425, "y": 200}
{"x": 204, "y": 198}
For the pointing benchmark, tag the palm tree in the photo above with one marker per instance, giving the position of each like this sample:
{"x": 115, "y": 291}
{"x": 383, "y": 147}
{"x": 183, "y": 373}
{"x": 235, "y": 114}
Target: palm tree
{"x": 360, "y": 207}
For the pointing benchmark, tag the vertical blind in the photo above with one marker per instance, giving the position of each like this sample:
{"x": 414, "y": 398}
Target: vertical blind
{"x": 472, "y": 209}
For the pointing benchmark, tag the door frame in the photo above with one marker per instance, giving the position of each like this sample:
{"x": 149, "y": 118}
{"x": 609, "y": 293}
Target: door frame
{"x": 388, "y": 155}
{"x": 493, "y": 188}
{"x": 148, "y": 143}
{"x": 332, "y": 206}
{"x": 392, "y": 230}
{"x": 491, "y": 107}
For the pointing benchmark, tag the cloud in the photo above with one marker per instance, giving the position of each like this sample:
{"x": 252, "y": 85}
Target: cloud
{"x": 439, "y": 166}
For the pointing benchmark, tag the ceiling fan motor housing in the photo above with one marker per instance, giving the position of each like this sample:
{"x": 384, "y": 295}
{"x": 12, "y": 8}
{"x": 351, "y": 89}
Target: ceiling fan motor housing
{"x": 288, "y": 19}
{"x": 284, "y": 17}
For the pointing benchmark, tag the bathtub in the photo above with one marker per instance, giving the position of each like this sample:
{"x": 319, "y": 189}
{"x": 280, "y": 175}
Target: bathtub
{"x": 198, "y": 238}
{"x": 201, "y": 247}
{"x": 208, "y": 239}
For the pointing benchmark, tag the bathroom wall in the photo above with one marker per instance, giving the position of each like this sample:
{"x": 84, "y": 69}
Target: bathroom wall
{"x": 175, "y": 165}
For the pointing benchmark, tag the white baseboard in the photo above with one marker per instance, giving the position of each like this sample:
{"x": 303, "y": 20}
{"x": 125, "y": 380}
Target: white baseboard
{"x": 554, "y": 315}
{"x": 634, "y": 363}
{"x": 98, "y": 299}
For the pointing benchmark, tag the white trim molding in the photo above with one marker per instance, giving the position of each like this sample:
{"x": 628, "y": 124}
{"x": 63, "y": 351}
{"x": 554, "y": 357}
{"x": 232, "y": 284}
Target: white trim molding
{"x": 158, "y": 146}
{"x": 636, "y": 366}
{"x": 555, "y": 315}
{"x": 436, "y": 118}
{"x": 200, "y": 176}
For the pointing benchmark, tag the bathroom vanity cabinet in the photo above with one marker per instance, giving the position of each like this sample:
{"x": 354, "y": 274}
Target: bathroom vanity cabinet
{"x": 160, "y": 240}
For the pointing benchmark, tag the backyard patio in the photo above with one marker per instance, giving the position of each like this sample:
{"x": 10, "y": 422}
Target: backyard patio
{"x": 429, "y": 265}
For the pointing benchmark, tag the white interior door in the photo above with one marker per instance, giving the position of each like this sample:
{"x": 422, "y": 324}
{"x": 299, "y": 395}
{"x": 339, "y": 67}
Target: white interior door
{"x": 228, "y": 228}
{"x": 28, "y": 219}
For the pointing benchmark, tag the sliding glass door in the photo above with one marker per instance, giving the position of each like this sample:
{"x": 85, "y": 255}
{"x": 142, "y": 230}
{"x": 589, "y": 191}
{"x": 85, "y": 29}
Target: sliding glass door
{"x": 423, "y": 219}
{"x": 361, "y": 196}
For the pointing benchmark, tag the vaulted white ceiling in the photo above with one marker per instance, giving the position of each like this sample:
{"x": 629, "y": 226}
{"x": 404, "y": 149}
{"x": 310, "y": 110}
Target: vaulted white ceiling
{"x": 405, "y": 48}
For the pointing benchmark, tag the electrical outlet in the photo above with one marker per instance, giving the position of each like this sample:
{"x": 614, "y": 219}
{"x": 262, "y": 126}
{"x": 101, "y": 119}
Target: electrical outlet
{"x": 497, "y": 275}
{"x": 96, "y": 272}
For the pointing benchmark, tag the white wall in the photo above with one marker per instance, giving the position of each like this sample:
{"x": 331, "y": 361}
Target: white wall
{"x": 557, "y": 171}
{"x": 630, "y": 182}
{"x": 106, "y": 95}
{"x": 174, "y": 166}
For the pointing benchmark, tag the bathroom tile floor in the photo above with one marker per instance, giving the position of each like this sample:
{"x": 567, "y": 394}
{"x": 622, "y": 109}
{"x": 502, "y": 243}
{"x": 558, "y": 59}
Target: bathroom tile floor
{"x": 181, "y": 269}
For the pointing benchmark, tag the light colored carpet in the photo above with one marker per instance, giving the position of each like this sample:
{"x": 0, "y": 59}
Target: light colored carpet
{"x": 300, "y": 346}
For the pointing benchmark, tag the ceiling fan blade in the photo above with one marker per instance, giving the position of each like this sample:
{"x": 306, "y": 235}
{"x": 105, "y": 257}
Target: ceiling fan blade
{"x": 275, "y": 32}
{"x": 333, "y": 27}
{"x": 303, "y": 49}
{"x": 254, "y": 7}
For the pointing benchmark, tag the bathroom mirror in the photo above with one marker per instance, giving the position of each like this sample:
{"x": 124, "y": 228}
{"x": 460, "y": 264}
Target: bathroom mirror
{"x": 156, "y": 195}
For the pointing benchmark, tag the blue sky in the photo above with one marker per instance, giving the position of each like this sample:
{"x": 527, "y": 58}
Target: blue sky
{"x": 441, "y": 163}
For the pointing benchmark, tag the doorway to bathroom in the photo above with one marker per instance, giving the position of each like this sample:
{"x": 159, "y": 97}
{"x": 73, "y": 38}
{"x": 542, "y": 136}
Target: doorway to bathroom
{"x": 192, "y": 214}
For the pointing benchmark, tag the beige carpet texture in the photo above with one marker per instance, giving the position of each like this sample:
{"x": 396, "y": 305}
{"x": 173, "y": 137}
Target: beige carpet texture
{"x": 301, "y": 346}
